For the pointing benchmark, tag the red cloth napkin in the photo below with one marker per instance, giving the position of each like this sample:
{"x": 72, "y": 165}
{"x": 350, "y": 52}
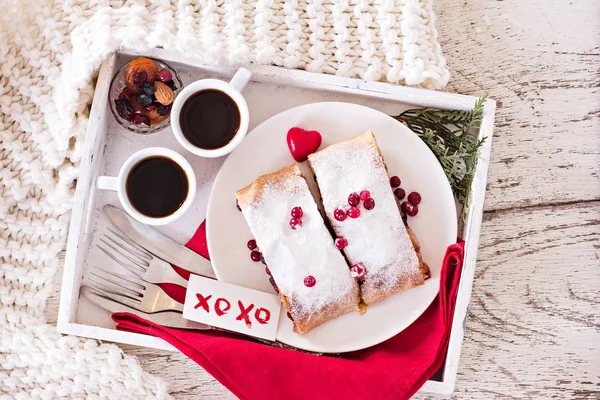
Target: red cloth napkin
{"x": 394, "y": 369}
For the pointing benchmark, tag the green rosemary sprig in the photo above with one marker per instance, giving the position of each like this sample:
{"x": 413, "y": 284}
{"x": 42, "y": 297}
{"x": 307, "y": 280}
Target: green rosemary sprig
{"x": 452, "y": 137}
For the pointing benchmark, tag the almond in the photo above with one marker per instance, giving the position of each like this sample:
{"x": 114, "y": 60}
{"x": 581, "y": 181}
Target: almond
{"x": 164, "y": 94}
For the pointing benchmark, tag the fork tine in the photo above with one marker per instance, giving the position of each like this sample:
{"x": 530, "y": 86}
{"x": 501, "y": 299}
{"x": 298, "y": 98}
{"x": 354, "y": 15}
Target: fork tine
{"x": 139, "y": 250}
{"x": 119, "y": 298}
{"x": 141, "y": 264}
{"x": 124, "y": 280}
{"x": 119, "y": 284}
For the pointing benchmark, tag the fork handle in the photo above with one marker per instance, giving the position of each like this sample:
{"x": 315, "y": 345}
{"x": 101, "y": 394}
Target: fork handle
{"x": 173, "y": 277}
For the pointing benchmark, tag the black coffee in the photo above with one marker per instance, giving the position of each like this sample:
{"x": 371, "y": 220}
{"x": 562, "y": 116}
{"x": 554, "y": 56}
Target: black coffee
{"x": 209, "y": 119}
{"x": 157, "y": 186}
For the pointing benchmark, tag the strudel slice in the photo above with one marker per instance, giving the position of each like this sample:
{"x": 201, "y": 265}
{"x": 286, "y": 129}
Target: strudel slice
{"x": 378, "y": 243}
{"x": 311, "y": 274}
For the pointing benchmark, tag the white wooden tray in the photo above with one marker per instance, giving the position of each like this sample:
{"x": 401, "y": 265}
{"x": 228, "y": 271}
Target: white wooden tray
{"x": 272, "y": 90}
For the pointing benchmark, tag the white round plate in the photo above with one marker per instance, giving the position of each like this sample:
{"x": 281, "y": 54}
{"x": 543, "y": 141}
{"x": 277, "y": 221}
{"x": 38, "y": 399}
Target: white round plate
{"x": 265, "y": 150}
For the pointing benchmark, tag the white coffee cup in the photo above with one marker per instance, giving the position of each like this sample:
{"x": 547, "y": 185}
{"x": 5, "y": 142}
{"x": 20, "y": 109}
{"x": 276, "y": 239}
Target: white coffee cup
{"x": 233, "y": 89}
{"x": 119, "y": 184}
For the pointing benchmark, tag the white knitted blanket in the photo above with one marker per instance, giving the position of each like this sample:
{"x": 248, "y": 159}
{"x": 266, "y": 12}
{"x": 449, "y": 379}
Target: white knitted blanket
{"x": 49, "y": 51}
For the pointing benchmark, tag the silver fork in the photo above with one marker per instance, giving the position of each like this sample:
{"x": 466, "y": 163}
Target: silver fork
{"x": 132, "y": 291}
{"x": 137, "y": 260}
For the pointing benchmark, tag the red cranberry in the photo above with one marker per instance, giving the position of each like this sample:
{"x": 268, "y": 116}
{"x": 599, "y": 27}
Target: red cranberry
{"x": 139, "y": 78}
{"x": 125, "y": 94}
{"x": 369, "y": 204}
{"x": 354, "y": 212}
{"x": 409, "y": 209}
{"x": 151, "y": 106}
{"x": 414, "y": 198}
{"x": 139, "y": 119}
{"x": 358, "y": 271}
{"x": 310, "y": 281}
{"x": 172, "y": 85}
{"x": 165, "y": 75}
{"x": 237, "y": 205}
{"x": 251, "y": 244}
{"x": 365, "y": 195}
{"x": 400, "y": 193}
{"x": 255, "y": 256}
{"x": 297, "y": 212}
{"x": 272, "y": 281}
{"x": 341, "y": 242}
{"x": 290, "y": 316}
{"x": 353, "y": 199}
{"x": 395, "y": 181}
{"x": 404, "y": 219}
{"x": 295, "y": 223}
{"x": 268, "y": 271}
{"x": 339, "y": 214}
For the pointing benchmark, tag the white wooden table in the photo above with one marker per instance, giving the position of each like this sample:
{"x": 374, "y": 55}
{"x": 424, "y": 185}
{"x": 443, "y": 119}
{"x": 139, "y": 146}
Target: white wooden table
{"x": 534, "y": 324}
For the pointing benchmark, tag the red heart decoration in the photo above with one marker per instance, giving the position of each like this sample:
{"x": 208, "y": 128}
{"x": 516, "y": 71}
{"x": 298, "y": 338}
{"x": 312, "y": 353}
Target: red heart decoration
{"x": 302, "y": 142}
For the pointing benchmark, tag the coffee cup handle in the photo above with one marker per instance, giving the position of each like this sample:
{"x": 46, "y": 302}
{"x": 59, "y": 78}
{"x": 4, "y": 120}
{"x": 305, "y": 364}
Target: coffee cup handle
{"x": 107, "y": 183}
{"x": 240, "y": 79}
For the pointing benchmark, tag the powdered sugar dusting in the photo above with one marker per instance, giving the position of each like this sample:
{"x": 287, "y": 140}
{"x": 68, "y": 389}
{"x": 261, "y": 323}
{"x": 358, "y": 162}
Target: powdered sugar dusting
{"x": 292, "y": 255}
{"x": 377, "y": 239}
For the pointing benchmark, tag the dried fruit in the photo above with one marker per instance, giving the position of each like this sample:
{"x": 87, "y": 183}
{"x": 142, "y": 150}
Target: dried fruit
{"x": 125, "y": 94}
{"x": 164, "y": 110}
{"x": 124, "y": 109}
{"x": 171, "y": 84}
{"x": 148, "y": 89}
{"x": 164, "y": 94}
{"x": 138, "y": 71}
{"x": 143, "y": 99}
{"x": 139, "y": 119}
{"x": 165, "y": 75}
{"x": 152, "y": 106}
{"x": 140, "y": 78}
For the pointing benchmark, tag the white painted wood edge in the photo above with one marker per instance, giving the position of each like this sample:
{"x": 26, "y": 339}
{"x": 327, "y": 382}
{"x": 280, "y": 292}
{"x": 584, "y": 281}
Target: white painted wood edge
{"x": 72, "y": 273}
{"x": 112, "y": 335}
{"x": 311, "y": 80}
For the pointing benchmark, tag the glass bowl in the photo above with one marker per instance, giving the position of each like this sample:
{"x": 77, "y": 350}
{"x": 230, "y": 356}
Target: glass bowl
{"x": 118, "y": 84}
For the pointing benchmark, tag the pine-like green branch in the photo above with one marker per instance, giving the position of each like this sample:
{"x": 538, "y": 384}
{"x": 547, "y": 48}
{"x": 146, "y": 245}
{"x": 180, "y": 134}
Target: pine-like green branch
{"x": 452, "y": 137}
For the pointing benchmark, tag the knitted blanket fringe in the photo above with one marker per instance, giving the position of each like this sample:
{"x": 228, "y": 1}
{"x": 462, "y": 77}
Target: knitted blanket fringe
{"x": 49, "y": 52}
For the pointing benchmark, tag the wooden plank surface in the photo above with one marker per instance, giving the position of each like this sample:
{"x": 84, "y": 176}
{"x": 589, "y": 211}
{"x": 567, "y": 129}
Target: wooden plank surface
{"x": 534, "y": 329}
